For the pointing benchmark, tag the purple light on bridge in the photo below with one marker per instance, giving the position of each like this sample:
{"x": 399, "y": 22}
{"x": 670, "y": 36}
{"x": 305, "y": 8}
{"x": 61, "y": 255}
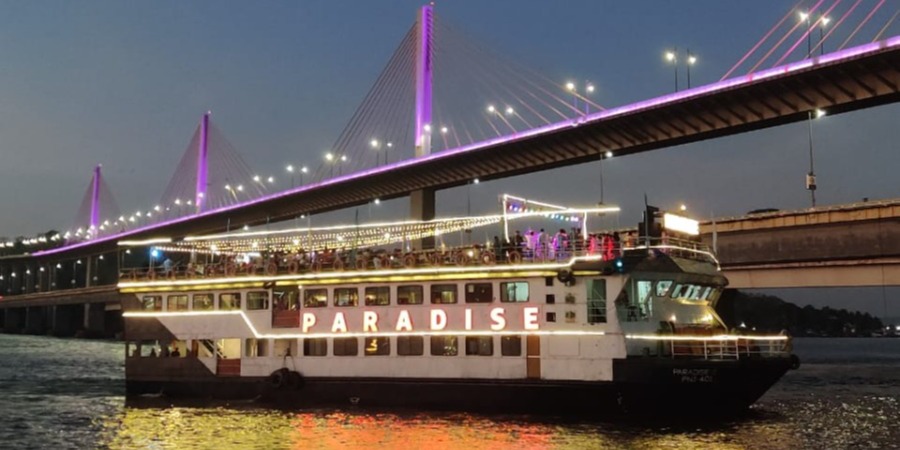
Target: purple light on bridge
{"x": 849, "y": 53}
{"x": 202, "y": 159}
{"x": 95, "y": 200}
{"x": 423, "y": 81}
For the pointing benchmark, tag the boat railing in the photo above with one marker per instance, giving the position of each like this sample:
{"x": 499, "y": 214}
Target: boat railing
{"x": 727, "y": 347}
{"x": 470, "y": 256}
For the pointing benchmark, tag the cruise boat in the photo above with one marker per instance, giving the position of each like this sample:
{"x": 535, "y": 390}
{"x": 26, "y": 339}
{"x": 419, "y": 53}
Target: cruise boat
{"x": 596, "y": 323}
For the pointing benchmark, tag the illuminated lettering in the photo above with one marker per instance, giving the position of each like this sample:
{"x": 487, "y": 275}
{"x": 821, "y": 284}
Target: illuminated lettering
{"x": 531, "y": 318}
{"x": 438, "y": 319}
{"x": 339, "y": 324}
{"x": 309, "y": 319}
{"x": 404, "y": 323}
{"x": 498, "y": 319}
{"x": 370, "y": 321}
{"x": 468, "y": 319}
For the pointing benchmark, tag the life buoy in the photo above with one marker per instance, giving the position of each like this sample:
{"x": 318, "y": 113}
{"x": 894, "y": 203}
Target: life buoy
{"x": 278, "y": 378}
{"x": 515, "y": 257}
{"x": 151, "y": 274}
{"x": 362, "y": 264}
{"x": 338, "y": 264}
{"x": 436, "y": 259}
{"x": 409, "y": 260}
{"x": 488, "y": 258}
{"x": 293, "y": 267}
{"x": 317, "y": 266}
{"x": 462, "y": 259}
{"x": 271, "y": 268}
{"x": 211, "y": 270}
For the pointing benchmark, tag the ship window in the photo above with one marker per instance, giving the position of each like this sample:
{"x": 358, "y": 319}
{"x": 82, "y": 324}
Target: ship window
{"x": 643, "y": 291}
{"x": 151, "y": 302}
{"x": 714, "y": 294}
{"x": 378, "y": 296}
{"x": 178, "y": 349}
{"x": 514, "y": 292}
{"x": 346, "y": 297}
{"x": 444, "y": 346}
{"x": 676, "y": 292}
{"x": 177, "y": 303}
{"x": 378, "y": 346}
{"x": 479, "y": 293}
{"x": 346, "y": 346}
{"x": 315, "y": 347}
{"x": 551, "y": 299}
{"x": 286, "y": 300}
{"x": 706, "y": 291}
{"x": 230, "y": 300}
{"x": 511, "y": 345}
{"x": 410, "y": 295}
{"x": 410, "y": 345}
{"x": 285, "y": 347}
{"x": 150, "y": 349}
{"x": 443, "y": 293}
{"x": 257, "y": 300}
{"x": 315, "y": 298}
{"x": 596, "y": 301}
{"x": 479, "y": 345}
{"x": 548, "y": 281}
{"x": 202, "y": 302}
{"x": 662, "y": 287}
{"x": 256, "y": 348}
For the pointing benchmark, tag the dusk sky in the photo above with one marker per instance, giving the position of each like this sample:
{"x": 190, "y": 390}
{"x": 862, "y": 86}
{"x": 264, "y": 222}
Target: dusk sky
{"x": 125, "y": 83}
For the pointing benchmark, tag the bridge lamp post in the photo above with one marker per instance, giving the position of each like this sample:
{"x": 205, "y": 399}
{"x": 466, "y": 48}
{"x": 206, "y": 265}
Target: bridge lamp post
{"x": 823, "y": 22}
{"x": 672, "y": 57}
{"x": 605, "y": 155}
{"x": 329, "y": 158}
{"x": 804, "y": 17}
{"x": 290, "y": 169}
{"x": 389, "y": 145}
{"x": 691, "y": 60}
{"x": 811, "y": 176}
{"x": 377, "y": 147}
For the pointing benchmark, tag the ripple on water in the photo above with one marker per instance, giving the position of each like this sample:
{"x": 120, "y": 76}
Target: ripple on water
{"x": 69, "y": 394}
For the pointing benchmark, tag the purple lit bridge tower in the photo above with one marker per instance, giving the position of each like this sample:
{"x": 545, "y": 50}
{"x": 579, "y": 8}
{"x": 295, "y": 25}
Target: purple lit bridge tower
{"x": 202, "y": 164}
{"x": 422, "y": 202}
{"x": 95, "y": 202}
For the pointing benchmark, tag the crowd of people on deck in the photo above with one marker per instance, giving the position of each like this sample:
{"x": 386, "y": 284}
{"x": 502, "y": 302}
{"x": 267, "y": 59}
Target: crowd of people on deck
{"x": 532, "y": 245}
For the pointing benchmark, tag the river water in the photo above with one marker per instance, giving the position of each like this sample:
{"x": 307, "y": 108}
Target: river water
{"x": 63, "y": 394}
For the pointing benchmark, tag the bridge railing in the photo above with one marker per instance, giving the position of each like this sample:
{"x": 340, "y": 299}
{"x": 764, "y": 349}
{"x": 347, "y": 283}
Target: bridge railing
{"x": 471, "y": 256}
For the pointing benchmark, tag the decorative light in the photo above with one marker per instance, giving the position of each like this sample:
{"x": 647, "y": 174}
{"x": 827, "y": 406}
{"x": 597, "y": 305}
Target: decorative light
{"x": 570, "y": 86}
{"x": 377, "y": 201}
{"x": 476, "y": 181}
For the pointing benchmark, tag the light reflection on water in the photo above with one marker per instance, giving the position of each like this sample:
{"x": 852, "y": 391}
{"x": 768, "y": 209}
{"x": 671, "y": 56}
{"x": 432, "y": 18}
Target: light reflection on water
{"x": 69, "y": 394}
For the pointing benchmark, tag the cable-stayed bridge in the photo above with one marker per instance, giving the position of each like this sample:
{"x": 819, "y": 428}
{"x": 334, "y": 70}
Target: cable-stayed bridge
{"x": 415, "y": 131}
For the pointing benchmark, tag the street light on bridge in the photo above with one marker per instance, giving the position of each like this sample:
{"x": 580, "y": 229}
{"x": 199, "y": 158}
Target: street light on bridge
{"x": 811, "y": 176}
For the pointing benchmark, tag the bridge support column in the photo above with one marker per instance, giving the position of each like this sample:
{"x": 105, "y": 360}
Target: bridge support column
{"x": 421, "y": 207}
{"x": 35, "y": 322}
{"x": 94, "y": 323}
{"x": 67, "y": 320}
{"x": 14, "y": 320}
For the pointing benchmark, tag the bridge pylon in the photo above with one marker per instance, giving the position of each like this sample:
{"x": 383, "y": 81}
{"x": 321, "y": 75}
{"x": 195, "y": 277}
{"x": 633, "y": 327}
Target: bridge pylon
{"x": 422, "y": 202}
{"x": 202, "y": 163}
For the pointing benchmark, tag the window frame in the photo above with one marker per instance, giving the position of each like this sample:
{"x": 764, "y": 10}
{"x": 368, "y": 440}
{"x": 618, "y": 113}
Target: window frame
{"x": 169, "y": 298}
{"x": 406, "y": 345}
{"x": 343, "y": 343}
{"x": 505, "y": 293}
{"x": 478, "y": 297}
{"x": 478, "y": 344}
{"x": 440, "y": 341}
{"x": 203, "y": 295}
{"x": 336, "y": 294}
{"x": 236, "y": 299}
{"x": 266, "y": 300}
{"x": 311, "y": 347}
{"x": 308, "y": 294}
{"x": 406, "y": 287}
{"x": 438, "y": 288}
{"x": 376, "y": 295}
